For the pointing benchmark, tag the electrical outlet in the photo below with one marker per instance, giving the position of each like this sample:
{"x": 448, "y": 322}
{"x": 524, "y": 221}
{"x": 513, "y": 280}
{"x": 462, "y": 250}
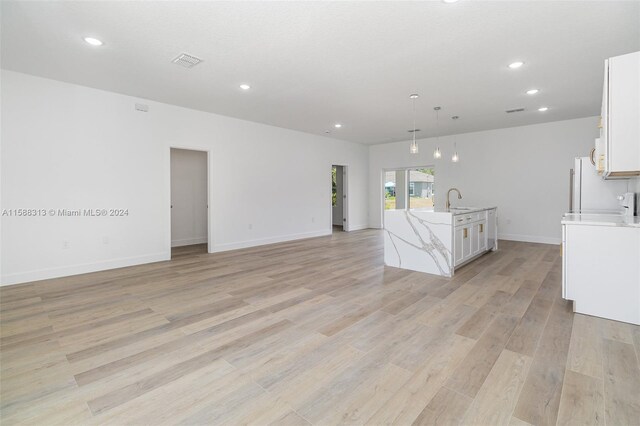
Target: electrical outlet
{"x": 66, "y": 245}
{"x": 313, "y": 220}
{"x": 251, "y": 226}
{"x": 105, "y": 240}
{"x": 508, "y": 221}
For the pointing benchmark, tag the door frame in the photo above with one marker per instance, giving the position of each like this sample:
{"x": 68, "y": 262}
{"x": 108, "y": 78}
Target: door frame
{"x": 209, "y": 193}
{"x": 345, "y": 198}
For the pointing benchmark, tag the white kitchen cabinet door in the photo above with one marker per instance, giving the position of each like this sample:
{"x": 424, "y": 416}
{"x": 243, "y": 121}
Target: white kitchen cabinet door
{"x": 620, "y": 116}
{"x": 602, "y": 272}
{"x": 457, "y": 245}
{"x": 475, "y": 238}
{"x": 492, "y": 229}
{"x": 482, "y": 236}
{"x": 466, "y": 242}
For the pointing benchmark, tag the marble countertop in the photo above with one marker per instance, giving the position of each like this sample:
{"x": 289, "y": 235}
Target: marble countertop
{"x": 454, "y": 210}
{"x": 599, "y": 219}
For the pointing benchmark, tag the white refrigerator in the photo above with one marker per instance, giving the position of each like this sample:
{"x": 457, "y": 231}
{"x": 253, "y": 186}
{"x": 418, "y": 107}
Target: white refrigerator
{"x": 591, "y": 193}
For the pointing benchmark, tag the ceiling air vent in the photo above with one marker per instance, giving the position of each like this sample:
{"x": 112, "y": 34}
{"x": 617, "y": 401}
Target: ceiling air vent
{"x": 509, "y": 111}
{"x": 187, "y": 60}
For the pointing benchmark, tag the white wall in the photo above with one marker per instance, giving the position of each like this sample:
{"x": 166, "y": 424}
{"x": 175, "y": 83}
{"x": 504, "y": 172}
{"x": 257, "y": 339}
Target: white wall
{"x": 338, "y": 209}
{"x": 189, "y": 197}
{"x": 68, "y": 146}
{"x": 522, "y": 170}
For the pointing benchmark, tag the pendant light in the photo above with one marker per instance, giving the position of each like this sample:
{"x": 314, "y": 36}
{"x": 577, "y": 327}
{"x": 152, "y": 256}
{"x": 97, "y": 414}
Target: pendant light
{"x": 437, "y": 154}
{"x": 455, "y": 157}
{"x": 413, "y": 148}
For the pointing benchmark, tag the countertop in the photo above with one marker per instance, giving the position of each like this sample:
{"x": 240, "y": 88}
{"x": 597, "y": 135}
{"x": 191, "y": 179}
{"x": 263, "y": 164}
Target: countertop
{"x": 454, "y": 210}
{"x": 595, "y": 219}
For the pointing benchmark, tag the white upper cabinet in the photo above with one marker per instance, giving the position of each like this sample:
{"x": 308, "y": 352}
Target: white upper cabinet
{"x": 618, "y": 150}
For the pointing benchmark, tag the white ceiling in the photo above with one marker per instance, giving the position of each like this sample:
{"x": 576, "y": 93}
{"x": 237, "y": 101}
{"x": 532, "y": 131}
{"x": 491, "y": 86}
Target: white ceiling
{"x": 312, "y": 64}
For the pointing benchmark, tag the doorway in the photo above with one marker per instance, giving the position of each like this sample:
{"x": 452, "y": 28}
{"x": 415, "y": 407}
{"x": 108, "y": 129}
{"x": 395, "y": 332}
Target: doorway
{"x": 189, "y": 202}
{"x": 339, "y": 203}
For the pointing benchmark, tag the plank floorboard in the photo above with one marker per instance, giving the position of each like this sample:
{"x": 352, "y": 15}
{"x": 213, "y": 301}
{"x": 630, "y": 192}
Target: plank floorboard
{"x": 314, "y": 331}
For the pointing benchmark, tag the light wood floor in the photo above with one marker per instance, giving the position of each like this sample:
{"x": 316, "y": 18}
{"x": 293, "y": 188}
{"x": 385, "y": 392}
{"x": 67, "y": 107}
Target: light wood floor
{"x": 315, "y": 331}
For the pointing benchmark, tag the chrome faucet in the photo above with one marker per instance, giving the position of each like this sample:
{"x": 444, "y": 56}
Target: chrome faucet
{"x": 448, "y": 203}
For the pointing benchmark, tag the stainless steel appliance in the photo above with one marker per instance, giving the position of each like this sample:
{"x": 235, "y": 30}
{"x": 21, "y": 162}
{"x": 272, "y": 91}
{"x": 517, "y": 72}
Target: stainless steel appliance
{"x": 589, "y": 192}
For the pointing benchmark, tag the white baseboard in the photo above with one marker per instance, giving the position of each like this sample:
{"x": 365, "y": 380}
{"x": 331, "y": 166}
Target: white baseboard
{"x": 358, "y": 227}
{"x": 271, "y": 240}
{"x": 188, "y": 241}
{"x": 530, "y": 239}
{"x": 65, "y": 271}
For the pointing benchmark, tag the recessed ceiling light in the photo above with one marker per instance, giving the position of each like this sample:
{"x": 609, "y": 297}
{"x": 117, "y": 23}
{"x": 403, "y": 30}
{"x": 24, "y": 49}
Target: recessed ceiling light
{"x": 542, "y": 109}
{"x": 93, "y": 41}
{"x": 532, "y": 91}
{"x": 515, "y": 65}
{"x": 245, "y": 87}
{"x": 449, "y": 1}
{"x": 337, "y": 125}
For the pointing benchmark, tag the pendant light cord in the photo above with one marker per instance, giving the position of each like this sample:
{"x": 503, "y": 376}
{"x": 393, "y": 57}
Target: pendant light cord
{"x": 414, "y": 121}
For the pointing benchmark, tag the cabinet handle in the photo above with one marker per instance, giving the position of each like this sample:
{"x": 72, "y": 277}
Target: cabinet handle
{"x": 464, "y": 233}
{"x": 468, "y": 217}
{"x": 459, "y": 220}
{"x": 592, "y": 156}
{"x": 481, "y": 227}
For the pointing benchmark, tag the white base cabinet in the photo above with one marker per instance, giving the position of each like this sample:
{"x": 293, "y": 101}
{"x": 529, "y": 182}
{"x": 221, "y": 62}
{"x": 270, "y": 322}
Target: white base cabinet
{"x": 601, "y": 271}
{"x": 471, "y": 236}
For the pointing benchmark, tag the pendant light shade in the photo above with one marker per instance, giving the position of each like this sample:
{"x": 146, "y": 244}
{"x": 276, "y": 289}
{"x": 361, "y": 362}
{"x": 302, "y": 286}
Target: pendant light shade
{"x": 413, "y": 148}
{"x": 436, "y": 153}
{"x": 455, "y": 157}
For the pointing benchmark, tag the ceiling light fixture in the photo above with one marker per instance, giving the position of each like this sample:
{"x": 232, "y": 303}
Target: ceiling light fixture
{"x": 413, "y": 148}
{"x": 516, "y": 65}
{"x": 543, "y": 109}
{"x": 337, "y": 125}
{"x": 93, "y": 41}
{"x": 436, "y": 153}
{"x": 532, "y": 91}
{"x": 449, "y": 1}
{"x": 455, "y": 157}
{"x": 245, "y": 87}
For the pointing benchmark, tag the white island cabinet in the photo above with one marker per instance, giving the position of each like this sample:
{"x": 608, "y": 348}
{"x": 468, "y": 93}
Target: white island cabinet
{"x": 601, "y": 265}
{"x": 438, "y": 241}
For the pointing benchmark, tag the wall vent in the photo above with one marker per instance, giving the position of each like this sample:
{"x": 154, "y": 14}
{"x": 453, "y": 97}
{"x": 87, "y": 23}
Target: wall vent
{"x": 509, "y": 111}
{"x": 186, "y": 60}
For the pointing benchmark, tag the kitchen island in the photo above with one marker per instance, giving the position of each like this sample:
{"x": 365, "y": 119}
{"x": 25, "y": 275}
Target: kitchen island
{"x": 437, "y": 241}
